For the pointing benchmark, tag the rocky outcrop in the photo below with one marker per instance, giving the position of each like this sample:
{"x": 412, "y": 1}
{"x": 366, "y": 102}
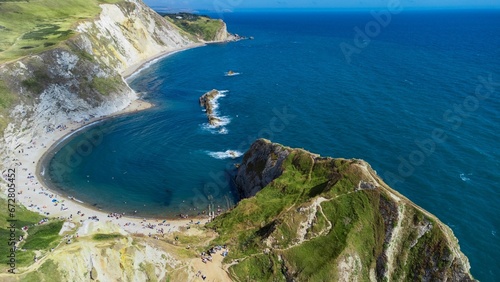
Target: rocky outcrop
{"x": 261, "y": 164}
{"x": 305, "y": 204}
{"x": 223, "y": 35}
{"x": 207, "y": 102}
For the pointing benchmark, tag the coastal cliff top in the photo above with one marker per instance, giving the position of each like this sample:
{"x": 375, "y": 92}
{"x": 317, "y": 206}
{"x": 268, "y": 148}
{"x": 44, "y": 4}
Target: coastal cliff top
{"x": 301, "y": 205}
{"x": 30, "y": 27}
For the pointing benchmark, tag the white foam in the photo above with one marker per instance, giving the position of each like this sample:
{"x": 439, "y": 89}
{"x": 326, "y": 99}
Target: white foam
{"x": 218, "y": 127}
{"x": 223, "y": 121}
{"x": 464, "y": 177}
{"x": 232, "y": 74}
{"x": 223, "y": 131}
{"x": 228, "y": 154}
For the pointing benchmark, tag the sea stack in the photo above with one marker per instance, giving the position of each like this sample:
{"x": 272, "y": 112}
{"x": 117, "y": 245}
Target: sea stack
{"x": 206, "y": 102}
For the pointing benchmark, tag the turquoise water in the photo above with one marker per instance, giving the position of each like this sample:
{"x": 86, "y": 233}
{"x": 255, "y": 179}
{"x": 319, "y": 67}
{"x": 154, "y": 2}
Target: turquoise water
{"x": 413, "y": 82}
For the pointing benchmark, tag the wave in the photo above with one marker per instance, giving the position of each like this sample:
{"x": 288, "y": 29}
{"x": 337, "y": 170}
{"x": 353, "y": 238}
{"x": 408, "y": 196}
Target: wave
{"x": 232, "y": 74}
{"x": 218, "y": 128}
{"x": 228, "y": 154}
{"x": 223, "y": 131}
{"x": 464, "y": 177}
{"x": 215, "y": 103}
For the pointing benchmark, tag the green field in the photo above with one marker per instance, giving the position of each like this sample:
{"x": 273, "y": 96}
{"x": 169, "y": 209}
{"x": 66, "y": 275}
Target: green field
{"x": 30, "y": 27}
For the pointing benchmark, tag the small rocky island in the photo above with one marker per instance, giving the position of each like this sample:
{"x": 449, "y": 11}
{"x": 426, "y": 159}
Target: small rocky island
{"x": 206, "y": 101}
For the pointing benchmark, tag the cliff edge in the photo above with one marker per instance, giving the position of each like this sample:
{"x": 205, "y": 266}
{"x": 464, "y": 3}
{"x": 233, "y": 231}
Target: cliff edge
{"x": 309, "y": 218}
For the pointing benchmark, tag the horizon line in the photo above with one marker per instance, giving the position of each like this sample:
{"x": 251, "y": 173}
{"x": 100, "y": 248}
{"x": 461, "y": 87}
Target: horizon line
{"x": 329, "y": 9}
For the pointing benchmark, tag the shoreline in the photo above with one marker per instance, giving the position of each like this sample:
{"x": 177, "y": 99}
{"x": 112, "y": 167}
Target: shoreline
{"x": 36, "y": 195}
{"x": 136, "y": 68}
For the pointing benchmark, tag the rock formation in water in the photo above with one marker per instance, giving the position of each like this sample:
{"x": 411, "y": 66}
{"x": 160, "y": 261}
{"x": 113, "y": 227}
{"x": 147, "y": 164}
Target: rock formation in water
{"x": 309, "y": 218}
{"x": 206, "y": 101}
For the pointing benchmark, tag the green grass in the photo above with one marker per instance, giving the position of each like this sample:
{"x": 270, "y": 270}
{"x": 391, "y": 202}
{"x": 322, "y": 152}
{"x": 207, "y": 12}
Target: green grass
{"x": 48, "y": 271}
{"x": 36, "y": 83}
{"x": 356, "y": 230}
{"x": 7, "y": 99}
{"x": 250, "y": 219}
{"x": 24, "y": 218}
{"x": 259, "y": 268}
{"x": 104, "y": 237}
{"x": 106, "y": 86}
{"x": 432, "y": 245}
{"x": 43, "y": 237}
{"x": 40, "y": 238}
{"x": 30, "y": 27}
{"x": 357, "y": 220}
{"x": 319, "y": 224}
{"x": 201, "y": 27}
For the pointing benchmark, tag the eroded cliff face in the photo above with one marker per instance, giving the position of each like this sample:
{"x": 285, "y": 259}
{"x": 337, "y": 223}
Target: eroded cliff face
{"x": 127, "y": 33}
{"x": 223, "y": 34}
{"x": 324, "y": 219}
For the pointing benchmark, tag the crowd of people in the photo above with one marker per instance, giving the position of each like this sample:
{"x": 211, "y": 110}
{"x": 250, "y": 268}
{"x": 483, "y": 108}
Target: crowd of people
{"x": 207, "y": 256}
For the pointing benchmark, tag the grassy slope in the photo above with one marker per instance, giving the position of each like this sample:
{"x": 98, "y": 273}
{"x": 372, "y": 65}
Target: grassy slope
{"x": 201, "y": 27}
{"x": 35, "y": 26}
{"x": 40, "y": 237}
{"x": 7, "y": 99}
{"x": 357, "y": 227}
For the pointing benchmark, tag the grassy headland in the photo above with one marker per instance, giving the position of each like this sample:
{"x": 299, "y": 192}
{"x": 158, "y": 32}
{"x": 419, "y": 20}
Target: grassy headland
{"x": 323, "y": 219}
{"x": 197, "y": 26}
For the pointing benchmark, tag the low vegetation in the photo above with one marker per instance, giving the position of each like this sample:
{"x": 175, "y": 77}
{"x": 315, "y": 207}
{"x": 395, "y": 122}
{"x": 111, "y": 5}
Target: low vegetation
{"x": 201, "y": 27}
{"x": 46, "y": 272}
{"x": 7, "y": 99}
{"x": 30, "y": 27}
{"x": 104, "y": 237}
{"x": 39, "y": 237}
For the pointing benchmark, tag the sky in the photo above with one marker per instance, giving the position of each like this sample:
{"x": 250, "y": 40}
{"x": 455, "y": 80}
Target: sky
{"x": 234, "y": 5}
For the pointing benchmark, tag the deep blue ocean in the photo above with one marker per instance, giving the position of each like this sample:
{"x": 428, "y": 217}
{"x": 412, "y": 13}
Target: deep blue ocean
{"x": 418, "y": 98}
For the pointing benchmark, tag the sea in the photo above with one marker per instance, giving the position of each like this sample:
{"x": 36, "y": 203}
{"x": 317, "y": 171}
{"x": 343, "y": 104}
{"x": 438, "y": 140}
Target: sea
{"x": 414, "y": 93}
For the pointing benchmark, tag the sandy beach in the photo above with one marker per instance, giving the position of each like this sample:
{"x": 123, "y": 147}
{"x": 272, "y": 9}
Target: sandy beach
{"x": 35, "y": 196}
